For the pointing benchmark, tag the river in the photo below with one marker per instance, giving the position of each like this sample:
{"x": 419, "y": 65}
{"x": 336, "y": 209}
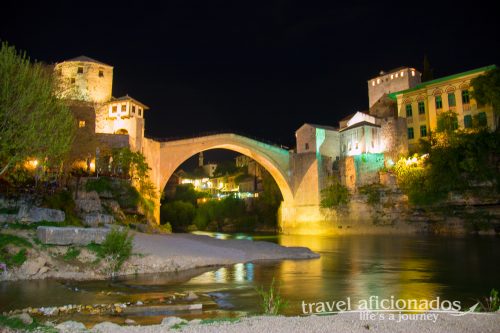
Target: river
{"x": 355, "y": 266}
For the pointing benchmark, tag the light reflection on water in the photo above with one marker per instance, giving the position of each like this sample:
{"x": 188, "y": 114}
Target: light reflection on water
{"x": 239, "y": 273}
{"x": 407, "y": 267}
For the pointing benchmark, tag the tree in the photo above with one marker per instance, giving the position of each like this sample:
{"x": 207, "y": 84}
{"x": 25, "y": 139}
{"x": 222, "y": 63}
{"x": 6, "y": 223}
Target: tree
{"x": 33, "y": 122}
{"x": 447, "y": 122}
{"x": 225, "y": 168}
{"x": 179, "y": 214}
{"x": 487, "y": 91}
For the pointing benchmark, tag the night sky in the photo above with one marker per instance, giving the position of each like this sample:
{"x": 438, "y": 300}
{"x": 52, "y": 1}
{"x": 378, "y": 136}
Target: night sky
{"x": 258, "y": 68}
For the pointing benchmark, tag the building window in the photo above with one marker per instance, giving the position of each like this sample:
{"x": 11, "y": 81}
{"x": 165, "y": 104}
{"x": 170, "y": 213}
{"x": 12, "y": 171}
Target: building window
{"x": 124, "y": 107}
{"x": 451, "y": 99}
{"x": 409, "y": 110}
{"x": 412, "y": 73}
{"x": 392, "y": 76}
{"x": 133, "y": 108}
{"x": 140, "y": 112}
{"x": 114, "y": 108}
{"x": 378, "y": 81}
{"x": 411, "y": 135}
{"x": 373, "y": 83}
{"x": 81, "y": 123}
{"x": 80, "y": 70}
{"x": 396, "y": 75}
{"x": 481, "y": 119}
{"x": 101, "y": 73}
{"x": 468, "y": 121}
{"x": 421, "y": 108}
{"x": 73, "y": 80}
{"x": 423, "y": 131}
{"x": 402, "y": 74}
{"x": 465, "y": 97}
{"x": 439, "y": 102}
{"x": 306, "y": 146}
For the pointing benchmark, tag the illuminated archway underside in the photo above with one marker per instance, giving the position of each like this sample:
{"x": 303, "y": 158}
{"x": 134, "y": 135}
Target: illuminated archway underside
{"x": 165, "y": 157}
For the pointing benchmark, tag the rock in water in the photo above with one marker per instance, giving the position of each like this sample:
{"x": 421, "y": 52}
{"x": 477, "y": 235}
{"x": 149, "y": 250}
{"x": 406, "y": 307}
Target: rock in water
{"x": 71, "y": 326}
{"x": 191, "y": 296}
{"x": 25, "y": 318}
{"x": 106, "y": 327}
{"x": 129, "y": 321}
{"x": 171, "y": 321}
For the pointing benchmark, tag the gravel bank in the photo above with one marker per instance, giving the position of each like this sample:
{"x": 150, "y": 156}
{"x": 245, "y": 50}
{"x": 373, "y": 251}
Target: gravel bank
{"x": 153, "y": 254}
{"x": 349, "y": 322}
{"x": 167, "y": 253}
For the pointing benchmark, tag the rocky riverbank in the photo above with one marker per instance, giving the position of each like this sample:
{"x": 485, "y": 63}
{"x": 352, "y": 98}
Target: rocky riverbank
{"x": 152, "y": 254}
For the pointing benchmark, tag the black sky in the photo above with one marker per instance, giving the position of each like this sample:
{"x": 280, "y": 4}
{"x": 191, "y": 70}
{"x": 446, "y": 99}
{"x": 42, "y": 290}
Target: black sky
{"x": 259, "y": 68}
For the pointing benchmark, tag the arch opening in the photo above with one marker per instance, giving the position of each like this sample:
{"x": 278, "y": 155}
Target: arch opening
{"x": 180, "y": 153}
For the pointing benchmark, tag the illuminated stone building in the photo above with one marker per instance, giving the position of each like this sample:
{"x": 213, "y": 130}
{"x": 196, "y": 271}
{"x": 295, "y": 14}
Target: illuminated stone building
{"x": 87, "y": 85}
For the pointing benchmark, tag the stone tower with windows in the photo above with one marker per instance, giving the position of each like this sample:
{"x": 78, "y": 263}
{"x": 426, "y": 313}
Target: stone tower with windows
{"x": 86, "y": 81}
{"x": 392, "y": 81}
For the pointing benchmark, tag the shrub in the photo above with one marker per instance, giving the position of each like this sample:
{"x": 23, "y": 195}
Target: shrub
{"x": 17, "y": 325}
{"x": 179, "y": 214}
{"x": 116, "y": 248}
{"x": 334, "y": 196}
{"x": 71, "y": 253}
{"x": 491, "y": 303}
{"x": 372, "y": 192}
{"x": 100, "y": 185}
{"x": 271, "y": 301}
{"x": 20, "y": 257}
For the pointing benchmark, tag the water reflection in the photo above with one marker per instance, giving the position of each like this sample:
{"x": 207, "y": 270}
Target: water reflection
{"x": 406, "y": 267}
{"x": 239, "y": 273}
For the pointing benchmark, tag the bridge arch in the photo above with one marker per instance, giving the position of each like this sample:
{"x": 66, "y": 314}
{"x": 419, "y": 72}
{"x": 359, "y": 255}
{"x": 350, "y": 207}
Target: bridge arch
{"x": 165, "y": 157}
{"x": 274, "y": 159}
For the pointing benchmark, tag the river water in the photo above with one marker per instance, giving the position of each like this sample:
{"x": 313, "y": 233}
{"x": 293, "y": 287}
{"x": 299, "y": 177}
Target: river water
{"x": 354, "y": 266}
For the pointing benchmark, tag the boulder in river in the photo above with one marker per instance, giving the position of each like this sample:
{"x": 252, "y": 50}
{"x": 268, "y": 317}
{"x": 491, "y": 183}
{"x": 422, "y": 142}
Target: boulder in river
{"x": 71, "y": 326}
{"x": 24, "y": 317}
{"x": 171, "y": 321}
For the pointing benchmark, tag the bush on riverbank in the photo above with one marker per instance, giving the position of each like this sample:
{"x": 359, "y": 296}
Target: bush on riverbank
{"x": 13, "y": 250}
{"x": 461, "y": 161}
{"x": 272, "y": 303}
{"x": 334, "y": 196}
{"x": 116, "y": 249}
{"x": 18, "y": 325}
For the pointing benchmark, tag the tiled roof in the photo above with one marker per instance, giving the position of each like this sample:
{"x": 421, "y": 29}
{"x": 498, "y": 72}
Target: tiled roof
{"x": 128, "y": 98}
{"x": 330, "y": 128}
{"x": 442, "y": 79}
{"x": 363, "y": 123}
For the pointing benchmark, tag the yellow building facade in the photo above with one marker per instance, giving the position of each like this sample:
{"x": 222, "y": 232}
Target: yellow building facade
{"x": 422, "y": 104}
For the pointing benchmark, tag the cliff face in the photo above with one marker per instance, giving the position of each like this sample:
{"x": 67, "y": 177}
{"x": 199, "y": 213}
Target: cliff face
{"x": 383, "y": 208}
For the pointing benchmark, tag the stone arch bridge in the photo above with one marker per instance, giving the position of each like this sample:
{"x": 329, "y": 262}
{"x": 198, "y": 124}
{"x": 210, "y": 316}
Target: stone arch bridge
{"x": 297, "y": 175}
